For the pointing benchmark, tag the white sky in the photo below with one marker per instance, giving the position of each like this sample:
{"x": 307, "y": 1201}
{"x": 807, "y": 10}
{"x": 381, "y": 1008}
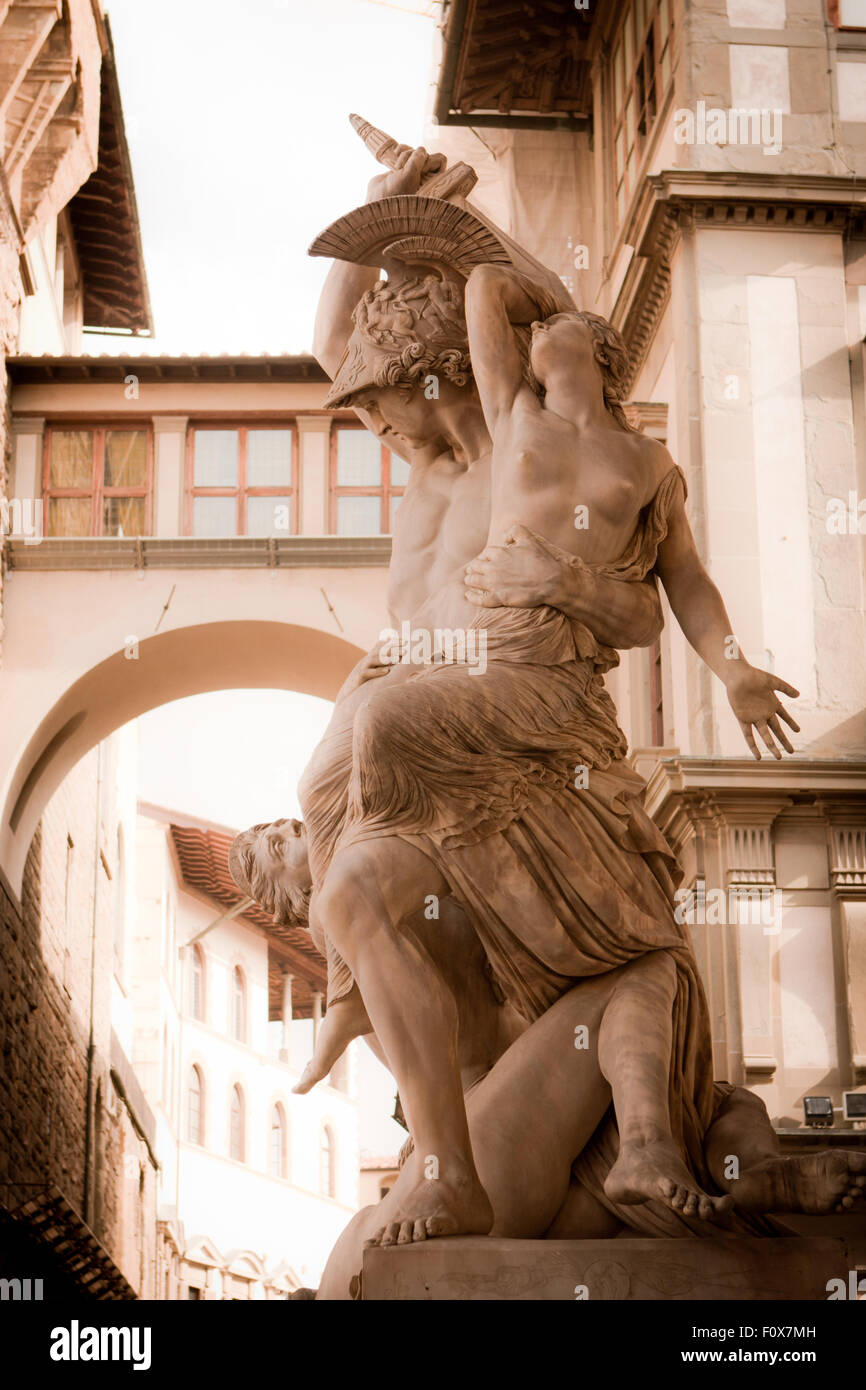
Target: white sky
{"x": 232, "y": 756}
{"x": 236, "y": 114}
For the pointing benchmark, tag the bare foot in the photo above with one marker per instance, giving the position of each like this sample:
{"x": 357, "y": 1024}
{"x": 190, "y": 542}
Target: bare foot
{"x": 657, "y": 1173}
{"x": 345, "y": 1020}
{"x": 833, "y": 1180}
{"x": 452, "y": 1206}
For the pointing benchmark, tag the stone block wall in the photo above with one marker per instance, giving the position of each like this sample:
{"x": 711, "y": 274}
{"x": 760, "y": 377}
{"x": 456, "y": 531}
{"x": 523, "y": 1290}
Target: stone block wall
{"x": 10, "y": 300}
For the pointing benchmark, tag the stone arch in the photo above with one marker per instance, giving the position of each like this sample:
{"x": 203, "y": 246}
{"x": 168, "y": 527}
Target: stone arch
{"x": 183, "y": 661}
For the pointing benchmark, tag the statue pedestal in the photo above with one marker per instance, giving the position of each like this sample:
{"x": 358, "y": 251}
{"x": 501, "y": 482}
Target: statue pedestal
{"x": 719, "y": 1269}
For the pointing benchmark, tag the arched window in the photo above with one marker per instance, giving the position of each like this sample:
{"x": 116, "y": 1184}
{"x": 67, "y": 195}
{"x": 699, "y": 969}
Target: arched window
{"x": 195, "y": 1107}
{"x": 239, "y": 1005}
{"x": 327, "y": 1163}
{"x": 277, "y": 1152}
{"x": 196, "y": 983}
{"x": 237, "y": 1125}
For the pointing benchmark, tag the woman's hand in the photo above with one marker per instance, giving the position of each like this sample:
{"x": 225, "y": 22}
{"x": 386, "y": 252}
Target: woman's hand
{"x": 752, "y": 697}
{"x": 518, "y": 574}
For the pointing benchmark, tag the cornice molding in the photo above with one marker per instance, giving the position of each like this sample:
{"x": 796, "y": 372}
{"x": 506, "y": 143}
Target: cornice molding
{"x": 741, "y": 791}
{"x": 200, "y": 553}
{"x": 680, "y": 200}
{"x": 650, "y": 417}
{"x": 738, "y": 802}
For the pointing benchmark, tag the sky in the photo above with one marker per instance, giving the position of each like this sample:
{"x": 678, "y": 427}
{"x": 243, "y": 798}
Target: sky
{"x": 237, "y": 121}
{"x": 232, "y": 756}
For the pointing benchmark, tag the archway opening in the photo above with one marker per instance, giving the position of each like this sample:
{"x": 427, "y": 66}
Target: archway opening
{"x": 166, "y": 667}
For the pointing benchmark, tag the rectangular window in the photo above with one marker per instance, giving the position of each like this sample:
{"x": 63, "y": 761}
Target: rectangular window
{"x": 242, "y": 480}
{"x": 367, "y": 483}
{"x": 640, "y": 75}
{"x": 97, "y": 481}
{"x": 847, "y": 14}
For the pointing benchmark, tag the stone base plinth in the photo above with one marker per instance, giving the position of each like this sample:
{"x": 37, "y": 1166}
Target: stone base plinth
{"x": 718, "y": 1269}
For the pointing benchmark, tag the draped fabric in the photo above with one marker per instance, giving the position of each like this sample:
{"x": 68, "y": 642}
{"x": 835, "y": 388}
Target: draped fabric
{"x": 592, "y": 1166}
{"x": 514, "y": 783}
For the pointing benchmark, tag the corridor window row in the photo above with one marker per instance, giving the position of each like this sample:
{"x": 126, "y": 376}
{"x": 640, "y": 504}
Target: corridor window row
{"x": 367, "y": 483}
{"x": 97, "y": 481}
{"x": 242, "y": 480}
{"x": 236, "y": 479}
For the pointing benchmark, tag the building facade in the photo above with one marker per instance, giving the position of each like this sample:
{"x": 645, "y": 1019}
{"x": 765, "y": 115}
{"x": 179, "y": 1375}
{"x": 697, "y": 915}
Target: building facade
{"x": 70, "y": 249}
{"x": 691, "y": 171}
{"x": 77, "y": 1138}
{"x": 79, "y": 1162}
{"x": 233, "y": 560}
{"x": 255, "y": 1183}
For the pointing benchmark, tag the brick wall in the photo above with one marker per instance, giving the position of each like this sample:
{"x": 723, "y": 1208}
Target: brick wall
{"x": 56, "y": 963}
{"x": 10, "y": 299}
{"x": 44, "y": 1052}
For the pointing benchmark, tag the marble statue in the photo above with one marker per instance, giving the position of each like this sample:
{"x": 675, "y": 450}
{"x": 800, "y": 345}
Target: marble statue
{"x": 538, "y": 1105}
{"x": 475, "y": 860}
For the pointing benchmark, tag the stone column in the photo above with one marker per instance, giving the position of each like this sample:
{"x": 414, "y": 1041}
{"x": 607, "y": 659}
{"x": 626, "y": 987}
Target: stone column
{"x": 848, "y": 879}
{"x": 169, "y": 474}
{"x": 286, "y": 1048}
{"x": 314, "y": 432}
{"x": 754, "y": 908}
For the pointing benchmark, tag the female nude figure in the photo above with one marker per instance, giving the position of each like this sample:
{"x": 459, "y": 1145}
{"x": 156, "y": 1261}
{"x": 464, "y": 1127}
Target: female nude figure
{"x": 467, "y": 785}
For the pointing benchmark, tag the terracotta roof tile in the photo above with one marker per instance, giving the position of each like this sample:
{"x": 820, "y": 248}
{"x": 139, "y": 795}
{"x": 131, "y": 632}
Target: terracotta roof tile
{"x": 203, "y": 857}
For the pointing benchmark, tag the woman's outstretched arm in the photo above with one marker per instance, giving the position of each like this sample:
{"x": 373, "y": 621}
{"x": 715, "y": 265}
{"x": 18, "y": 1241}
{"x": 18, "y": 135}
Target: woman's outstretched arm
{"x": 700, "y": 611}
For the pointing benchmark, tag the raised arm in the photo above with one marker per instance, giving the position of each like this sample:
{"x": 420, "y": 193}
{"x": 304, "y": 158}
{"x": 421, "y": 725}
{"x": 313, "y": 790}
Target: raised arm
{"x": 346, "y": 282}
{"x": 344, "y": 285}
{"x": 497, "y": 301}
{"x": 701, "y": 613}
